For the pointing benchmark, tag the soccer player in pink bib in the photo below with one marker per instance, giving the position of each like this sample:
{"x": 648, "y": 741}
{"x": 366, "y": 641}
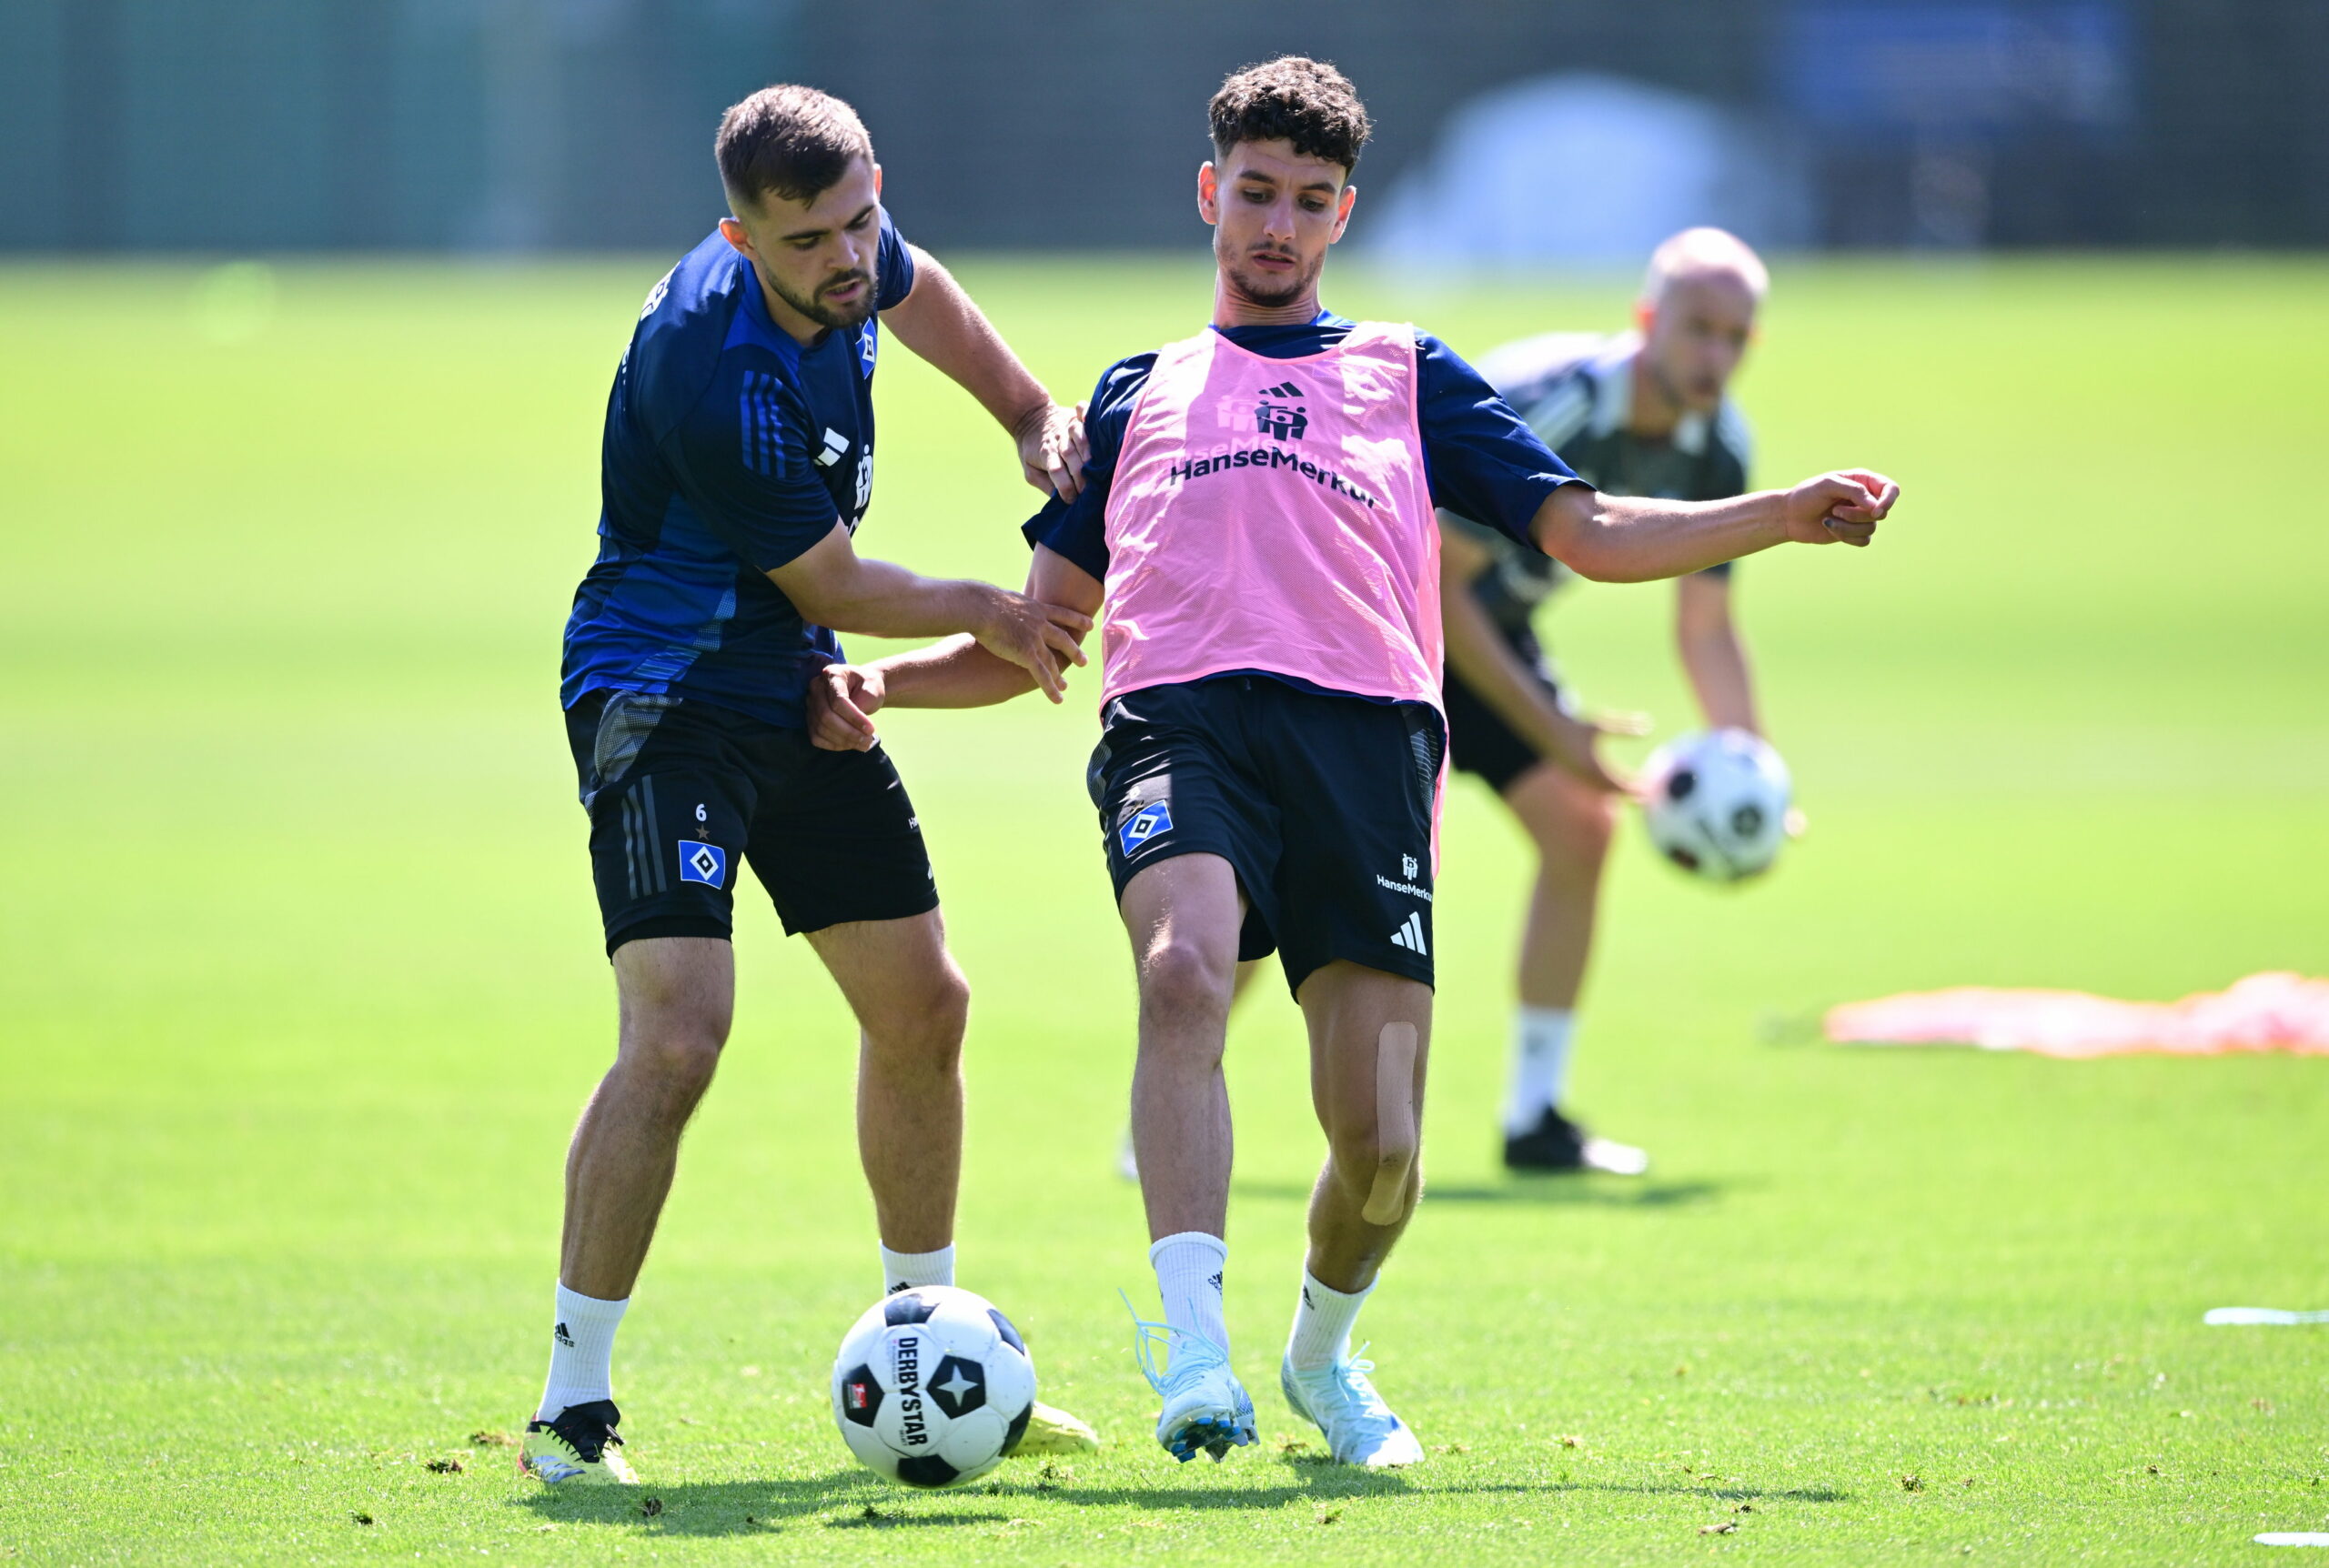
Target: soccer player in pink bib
{"x": 1257, "y": 520}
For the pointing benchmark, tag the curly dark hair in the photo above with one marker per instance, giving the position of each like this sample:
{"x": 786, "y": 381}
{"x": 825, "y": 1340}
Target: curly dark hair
{"x": 1293, "y": 98}
{"x": 788, "y": 141}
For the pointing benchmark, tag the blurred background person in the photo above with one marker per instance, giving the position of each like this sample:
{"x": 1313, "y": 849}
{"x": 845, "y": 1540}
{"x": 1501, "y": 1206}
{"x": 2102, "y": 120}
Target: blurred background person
{"x": 1644, "y": 413}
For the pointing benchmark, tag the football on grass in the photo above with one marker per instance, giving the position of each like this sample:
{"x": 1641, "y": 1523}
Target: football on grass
{"x": 1716, "y": 803}
{"x": 933, "y": 1386}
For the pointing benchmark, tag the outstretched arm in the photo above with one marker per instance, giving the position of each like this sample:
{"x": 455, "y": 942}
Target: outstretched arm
{"x": 1628, "y": 539}
{"x": 959, "y": 673}
{"x": 942, "y": 324}
{"x": 1712, "y": 653}
{"x": 833, "y": 586}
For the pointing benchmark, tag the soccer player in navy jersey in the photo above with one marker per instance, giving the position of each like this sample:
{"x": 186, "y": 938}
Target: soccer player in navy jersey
{"x": 1282, "y": 794}
{"x": 737, "y": 463}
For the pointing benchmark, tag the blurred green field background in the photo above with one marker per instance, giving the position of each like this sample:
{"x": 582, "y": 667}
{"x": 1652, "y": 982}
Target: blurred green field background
{"x": 300, "y": 987}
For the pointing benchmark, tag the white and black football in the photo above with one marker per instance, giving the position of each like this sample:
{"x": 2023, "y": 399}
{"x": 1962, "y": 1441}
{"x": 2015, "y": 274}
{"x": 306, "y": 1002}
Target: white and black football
{"x": 933, "y": 1386}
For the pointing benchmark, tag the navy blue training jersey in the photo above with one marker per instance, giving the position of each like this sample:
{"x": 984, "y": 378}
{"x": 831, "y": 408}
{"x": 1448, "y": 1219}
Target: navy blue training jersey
{"x": 730, "y": 449}
{"x": 1479, "y": 456}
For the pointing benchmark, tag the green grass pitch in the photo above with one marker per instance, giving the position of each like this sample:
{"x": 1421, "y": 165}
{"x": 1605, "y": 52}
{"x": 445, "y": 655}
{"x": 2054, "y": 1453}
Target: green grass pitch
{"x": 301, "y": 986}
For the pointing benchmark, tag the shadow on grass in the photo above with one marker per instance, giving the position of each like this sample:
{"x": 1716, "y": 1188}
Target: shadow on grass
{"x": 1548, "y": 1190}
{"x": 722, "y": 1507}
{"x": 1323, "y": 1488}
{"x": 854, "y": 1500}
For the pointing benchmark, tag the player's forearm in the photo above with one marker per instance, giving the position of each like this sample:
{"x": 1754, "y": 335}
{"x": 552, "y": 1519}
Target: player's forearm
{"x": 1635, "y": 538}
{"x": 1484, "y": 661}
{"x": 880, "y": 598}
{"x": 1715, "y": 663}
{"x": 1713, "y": 655}
{"x": 955, "y": 673}
{"x": 943, "y": 325}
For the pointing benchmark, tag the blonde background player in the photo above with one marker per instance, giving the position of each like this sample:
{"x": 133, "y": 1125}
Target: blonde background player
{"x": 1643, "y": 413}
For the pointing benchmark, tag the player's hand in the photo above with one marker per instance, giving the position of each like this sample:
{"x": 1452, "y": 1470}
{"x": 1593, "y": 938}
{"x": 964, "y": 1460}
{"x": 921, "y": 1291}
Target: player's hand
{"x": 842, "y": 702}
{"x": 1041, "y": 639}
{"x": 1843, "y": 506}
{"x": 1051, "y": 449}
{"x": 1577, "y": 748}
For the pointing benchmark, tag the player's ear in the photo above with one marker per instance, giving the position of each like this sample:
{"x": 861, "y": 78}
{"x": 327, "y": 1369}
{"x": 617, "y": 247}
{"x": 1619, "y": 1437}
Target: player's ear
{"x": 734, "y": 233}
{"x": 1208, "y": 192}
{"x": 1645, "y": 316}
{"x": 877, "y": 179}
{"x": 1342, "y": 211}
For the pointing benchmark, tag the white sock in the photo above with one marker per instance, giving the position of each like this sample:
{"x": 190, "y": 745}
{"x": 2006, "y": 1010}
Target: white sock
{"x": 1541, "y": 1042}
{"x": 1189, "y": 1267}
{"x": 1322, "y": 1324}
{"x": 582, "y": 1352}
{"x": 904, "y": 1270}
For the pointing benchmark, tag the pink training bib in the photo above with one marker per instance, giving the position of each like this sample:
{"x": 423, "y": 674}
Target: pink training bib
{"x": 1273, "y": 515}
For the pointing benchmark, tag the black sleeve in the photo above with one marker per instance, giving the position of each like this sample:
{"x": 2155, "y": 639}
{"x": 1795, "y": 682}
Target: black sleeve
{"x": 1077, "y": 529}
{"x": 742, "y": 459}
{"x": 1482, "y": 460}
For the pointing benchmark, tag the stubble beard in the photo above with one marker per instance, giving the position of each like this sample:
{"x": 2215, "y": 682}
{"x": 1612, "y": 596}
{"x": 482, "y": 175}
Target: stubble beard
{"x": 827, "y": 315}
{"x": 1267, "y": 294}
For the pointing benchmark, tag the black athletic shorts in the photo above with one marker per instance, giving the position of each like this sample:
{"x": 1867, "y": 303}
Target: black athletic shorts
{"x": 1321, "y": 804}
{"x": 1479, "y": 740}
{"x": 683, "y": 795}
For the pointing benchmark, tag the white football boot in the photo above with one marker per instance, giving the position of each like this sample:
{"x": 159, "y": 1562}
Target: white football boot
{"x": 1360, "y": 1428}
{"x": 1206, "y": 1407}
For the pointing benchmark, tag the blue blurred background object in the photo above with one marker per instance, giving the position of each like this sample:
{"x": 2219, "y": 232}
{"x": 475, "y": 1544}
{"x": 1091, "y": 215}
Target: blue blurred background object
{"x": 532, "y": 125}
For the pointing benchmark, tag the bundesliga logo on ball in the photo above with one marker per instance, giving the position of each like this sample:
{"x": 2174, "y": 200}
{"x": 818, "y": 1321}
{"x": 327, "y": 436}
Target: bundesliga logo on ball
{"x": 932, "y": 1387}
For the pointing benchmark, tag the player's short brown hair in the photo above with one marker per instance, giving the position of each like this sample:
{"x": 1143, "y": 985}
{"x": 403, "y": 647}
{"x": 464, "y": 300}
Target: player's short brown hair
{"x": 788, "y": 141}
{"x": 1292, "y": 98}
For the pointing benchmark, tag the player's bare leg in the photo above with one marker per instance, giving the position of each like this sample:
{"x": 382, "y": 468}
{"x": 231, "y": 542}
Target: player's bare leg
{"x": 1570, "y": 822}
{"x": 1127, "y": 1158}
{"x": 1183, "y": 915}
{"x": 1370, "y": 1045}
{"x": 1360, "y": 1205}
{"x": 677, "y": 997}
{"x": 912, "y": 1005}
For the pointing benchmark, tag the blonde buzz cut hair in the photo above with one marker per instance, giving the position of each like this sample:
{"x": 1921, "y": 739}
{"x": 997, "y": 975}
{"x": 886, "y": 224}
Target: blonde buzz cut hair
{"x": 1697, "y": 253}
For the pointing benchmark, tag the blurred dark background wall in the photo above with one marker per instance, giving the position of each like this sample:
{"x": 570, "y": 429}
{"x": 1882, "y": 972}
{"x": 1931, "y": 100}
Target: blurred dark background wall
{"x": 1032, "y": 124}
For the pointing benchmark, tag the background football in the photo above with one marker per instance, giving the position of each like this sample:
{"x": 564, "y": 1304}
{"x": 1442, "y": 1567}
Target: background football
{"x": 933, "y": 1386}
{"x": 1716, "y": 803}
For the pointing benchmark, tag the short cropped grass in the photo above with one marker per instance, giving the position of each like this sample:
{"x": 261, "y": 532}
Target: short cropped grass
{"x": 301, "y": 986}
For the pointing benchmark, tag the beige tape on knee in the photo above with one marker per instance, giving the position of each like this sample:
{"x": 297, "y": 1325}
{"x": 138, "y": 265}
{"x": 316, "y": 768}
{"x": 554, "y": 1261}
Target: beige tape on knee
{"x": 1395, "y": 1136}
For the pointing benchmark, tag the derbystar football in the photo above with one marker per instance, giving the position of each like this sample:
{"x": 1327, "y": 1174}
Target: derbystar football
{"x": 933, "y": 1386}
{"x": 1716, "y": 803}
